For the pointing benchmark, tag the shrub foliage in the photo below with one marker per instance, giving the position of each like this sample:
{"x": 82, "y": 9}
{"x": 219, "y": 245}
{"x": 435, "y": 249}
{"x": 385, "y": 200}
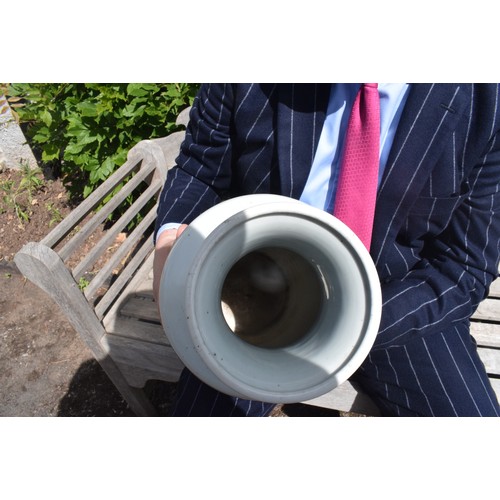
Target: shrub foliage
{"x": 83, "y": 131}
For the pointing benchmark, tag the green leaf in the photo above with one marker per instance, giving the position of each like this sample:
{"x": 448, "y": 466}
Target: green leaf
{"x": 73, "y": 149}
{"x": 141, "y": 89}
{"x": 87, "y": 108}
{"x": 80, "y": 160}
{"x": 107, "y": 168}
{"x": 42, "y": 135}
{"x": 133, "y": 110}
{"x": 121, "y": 157}
{"x": 87, "y": 191}
{"x": 75, "y": 125}
{"x": 50, "y": 152}
{"x": 46, "y": 117}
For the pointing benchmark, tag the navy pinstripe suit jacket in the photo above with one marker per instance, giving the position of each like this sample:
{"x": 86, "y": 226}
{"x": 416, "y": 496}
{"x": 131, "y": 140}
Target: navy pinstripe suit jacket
{"x": 436, "y": 238}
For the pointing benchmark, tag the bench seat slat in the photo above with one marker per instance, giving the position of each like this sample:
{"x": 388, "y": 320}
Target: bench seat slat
{"x": 486, "y": 334}
{"x": 491, "y": 360}
{"x": 346, "y": 397}
{"x": 488, "y": 310}
{"x": 141, "y": 307}
{"x": 122, "y": 326}
{"x": 146, "y": 355}
{"x": 137, "y": 377}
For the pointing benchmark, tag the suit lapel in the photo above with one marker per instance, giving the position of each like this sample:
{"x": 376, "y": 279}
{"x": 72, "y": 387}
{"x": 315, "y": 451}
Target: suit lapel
{"x": 301, "y": 114}
{"x": 430, "y": 115}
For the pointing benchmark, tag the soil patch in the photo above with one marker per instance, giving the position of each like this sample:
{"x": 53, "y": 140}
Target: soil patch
{"x": 46, "y": 369}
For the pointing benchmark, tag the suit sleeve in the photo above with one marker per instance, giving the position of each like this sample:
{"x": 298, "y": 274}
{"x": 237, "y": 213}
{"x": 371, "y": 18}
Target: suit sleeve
{"x": 203, "y": 168}
{"x": 458, "y": 265}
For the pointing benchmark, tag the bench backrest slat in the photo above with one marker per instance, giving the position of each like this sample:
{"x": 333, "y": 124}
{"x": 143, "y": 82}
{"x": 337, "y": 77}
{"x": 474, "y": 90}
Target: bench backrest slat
{"x": 82, "y": 235}
{"x": 123, "y": 278}
{"x": 121, "y": 253}
{"x": 69, "y": 223}
{"x": 118, "y": 227}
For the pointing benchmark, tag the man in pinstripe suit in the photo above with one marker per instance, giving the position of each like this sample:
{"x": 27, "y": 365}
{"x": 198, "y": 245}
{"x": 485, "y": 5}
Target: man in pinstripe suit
{"x": 436, "y": 235}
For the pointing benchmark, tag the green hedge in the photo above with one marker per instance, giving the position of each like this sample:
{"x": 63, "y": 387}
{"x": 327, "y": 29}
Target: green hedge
{"x": 83, "y": 131}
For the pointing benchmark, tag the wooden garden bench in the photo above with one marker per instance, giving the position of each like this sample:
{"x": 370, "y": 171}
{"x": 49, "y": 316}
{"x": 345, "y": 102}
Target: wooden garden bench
{"x": 115, "y": 313}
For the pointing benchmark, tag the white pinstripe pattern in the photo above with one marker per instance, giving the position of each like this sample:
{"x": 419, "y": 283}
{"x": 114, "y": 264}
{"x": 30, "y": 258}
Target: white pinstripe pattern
{"x": 236, "y": 401}
{"x": 390, "y": 168}
{"x": 313, "y": 143}
{"x": 252, "y": 127}
{"x": 455, "y": 180}
{"x": 428, "y": 224}
{"x": 214, "y": 403}
{"x": 221, "y": 163}
{"x": 179, "y": 398}
{"x": 386, "y": 389}
{"x": 291, "y": 142}
{"x": 469, "y": 245}
{"x": 432, "y": 362}
{"x": 420, "y": 306}
{"x": 250, "y": 88}
{"x": 460, "y": 374}
{"x": 431, "y": 142}
{"x": 477, "y": 372}
{"x": 254, "y": 161}
{"x": 466, "y": 238}
{"x": 494, "y": 112}
{"x": 469, "y": 219}
{"x": 193, "y": 209}
{"x": 254, "y": 124}
{"x": 426, "y": 326}
{"x": 396, "y": 378}
{"x": 436, "y": 371}
{"x": 264, "y": 179}
{"x": 195, "y": 399}
{"x": 217, "y": 124}
{"x": 237, "y": 404}
{"x": 388, "y": 270}
{"x": 407, "y": 290}
{"x": 407, "y": 265}
{"x": 418, "y": 381}
{"x": 163, "y": 194}
{"x": 469, "y": 125}
{"x": 490, "y": 223}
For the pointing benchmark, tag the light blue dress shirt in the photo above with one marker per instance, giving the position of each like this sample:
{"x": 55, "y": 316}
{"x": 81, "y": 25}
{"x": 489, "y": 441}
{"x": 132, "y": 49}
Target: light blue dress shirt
{"x": 322, "y": 181}
{"x": 321, "y": 184}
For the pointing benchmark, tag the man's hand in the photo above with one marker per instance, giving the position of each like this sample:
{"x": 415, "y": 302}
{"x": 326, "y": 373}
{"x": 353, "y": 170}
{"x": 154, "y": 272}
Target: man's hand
{"x": 163, "y": 247}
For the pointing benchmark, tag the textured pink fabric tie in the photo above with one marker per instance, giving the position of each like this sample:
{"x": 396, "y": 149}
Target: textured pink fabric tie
{"x": 357, "y": 186}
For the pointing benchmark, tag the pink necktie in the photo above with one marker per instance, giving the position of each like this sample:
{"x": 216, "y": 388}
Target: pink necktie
{"x": 357, "y": 186}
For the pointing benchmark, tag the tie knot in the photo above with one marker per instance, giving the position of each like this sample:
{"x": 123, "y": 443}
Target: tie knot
{"x": 371, "y": 85}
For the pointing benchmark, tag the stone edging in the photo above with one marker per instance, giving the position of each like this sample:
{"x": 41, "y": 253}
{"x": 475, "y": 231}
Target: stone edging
{"x": 14, "y": 149}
